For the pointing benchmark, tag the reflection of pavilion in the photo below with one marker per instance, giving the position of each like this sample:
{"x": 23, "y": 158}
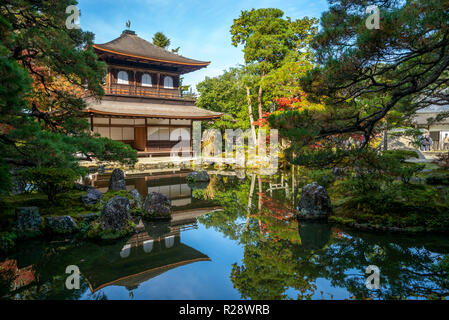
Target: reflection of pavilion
{"x": 173, "y": 185}
{"x": 157, "y": 248}
{"x": 153, "y": 251}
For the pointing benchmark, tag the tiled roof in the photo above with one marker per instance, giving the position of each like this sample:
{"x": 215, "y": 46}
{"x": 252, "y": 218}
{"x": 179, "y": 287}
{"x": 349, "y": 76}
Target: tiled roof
{"x": 434, "y": 108}
{"x": 150, "y": 110}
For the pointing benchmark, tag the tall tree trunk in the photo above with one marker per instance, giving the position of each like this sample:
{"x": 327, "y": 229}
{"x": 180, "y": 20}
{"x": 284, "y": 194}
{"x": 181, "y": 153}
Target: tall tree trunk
{"x": 260, "y": 202}
{"x": 250, "y": 200}
{"x": 251, "y": 118}
{"x": 259, "y": 98}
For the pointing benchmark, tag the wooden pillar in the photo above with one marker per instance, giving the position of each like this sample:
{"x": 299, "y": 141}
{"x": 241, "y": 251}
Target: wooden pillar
{"x": 91, "y": 123}
{"x": 191, "y": 138}
{"x": 135, "y": 82}
{"x": 146, "y": 135}
{"x": 158, "y": 83}
{"x": 109, "y": 81}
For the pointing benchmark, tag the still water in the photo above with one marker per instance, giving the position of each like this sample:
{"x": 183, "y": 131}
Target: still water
{"x": 234, "y": 238}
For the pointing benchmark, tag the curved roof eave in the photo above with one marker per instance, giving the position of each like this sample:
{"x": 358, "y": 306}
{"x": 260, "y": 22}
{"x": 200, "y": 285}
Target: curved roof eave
{"x": 200, "y": 64}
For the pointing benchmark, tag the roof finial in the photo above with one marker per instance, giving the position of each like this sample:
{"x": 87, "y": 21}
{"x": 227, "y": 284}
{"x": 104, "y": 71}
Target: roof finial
{"x": 128, "y": 26}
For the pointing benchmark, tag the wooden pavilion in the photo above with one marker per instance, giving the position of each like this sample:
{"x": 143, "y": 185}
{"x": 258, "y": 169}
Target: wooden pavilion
{"x": 143, "y": 105}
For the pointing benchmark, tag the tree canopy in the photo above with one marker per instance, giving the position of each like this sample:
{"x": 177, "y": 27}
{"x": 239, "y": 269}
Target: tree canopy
{"x": 226, "y": 93}
{"x": 161, "y": 40}
{"x": 267, "y": 38}
{"x": 364, "y": 75}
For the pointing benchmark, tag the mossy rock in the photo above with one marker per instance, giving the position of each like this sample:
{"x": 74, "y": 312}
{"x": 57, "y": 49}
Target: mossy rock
{"x": 114, "y": 222}
{"x": 156, "y": 207}
{"x": 97, "y": 233}
{"x": 61, "y": 225}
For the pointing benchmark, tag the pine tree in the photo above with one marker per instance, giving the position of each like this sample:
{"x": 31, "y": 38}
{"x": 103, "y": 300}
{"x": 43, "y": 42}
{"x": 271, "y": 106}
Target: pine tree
{"x": 365, "y": 74}
{"x": 161, "y": 40}
{"x": 46, "y": 73}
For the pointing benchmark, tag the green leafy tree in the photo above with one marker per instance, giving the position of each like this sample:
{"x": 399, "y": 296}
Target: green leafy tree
{"x": 364, "y": 74}
{"x": 226, "y": 93}
{"x": 161, "y": 40}
{"x": 267, "y": 37}
{"x": 46, "y": 73}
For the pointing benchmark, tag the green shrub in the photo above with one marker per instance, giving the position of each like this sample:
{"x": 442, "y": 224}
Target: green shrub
{"x": 95, "y": 232}
{"x": 49, "y": 181}
{"x": 7, "y": 240}
{"x": 438, "y": 179}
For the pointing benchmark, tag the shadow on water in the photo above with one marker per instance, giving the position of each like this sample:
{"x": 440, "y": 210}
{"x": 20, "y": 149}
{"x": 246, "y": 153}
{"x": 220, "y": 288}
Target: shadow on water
{"x": 250, "y": 242}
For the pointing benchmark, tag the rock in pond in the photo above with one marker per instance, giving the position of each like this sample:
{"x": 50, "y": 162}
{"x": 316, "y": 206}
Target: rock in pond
{"x": 137, "y": 199}
{"x": 198, "y": 185}
{"x": 92, "y": 197}
{"x": 198, "y": 176}
{"x": 115, "y": 214}
{"x": 61, "y": 224}
{"x": 81, "y": 187}
{"x": 117, "y": 181}
{"x": 157, "y": 207}
{"x": 28, "y": 219}
{"x": 314, "y": 203}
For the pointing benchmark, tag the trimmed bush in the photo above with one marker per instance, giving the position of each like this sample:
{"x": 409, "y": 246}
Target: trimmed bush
{"x": 49, "y": 181}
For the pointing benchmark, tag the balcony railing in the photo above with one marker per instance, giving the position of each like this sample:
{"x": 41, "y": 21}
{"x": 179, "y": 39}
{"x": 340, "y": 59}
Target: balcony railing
{"x": 151, "y": 92}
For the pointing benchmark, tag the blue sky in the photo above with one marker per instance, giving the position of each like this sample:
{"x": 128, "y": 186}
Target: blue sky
{"x": 199, "y": 27}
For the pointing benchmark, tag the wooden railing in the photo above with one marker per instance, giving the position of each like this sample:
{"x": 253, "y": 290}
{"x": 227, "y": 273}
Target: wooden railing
{"x": 153, "y": 92}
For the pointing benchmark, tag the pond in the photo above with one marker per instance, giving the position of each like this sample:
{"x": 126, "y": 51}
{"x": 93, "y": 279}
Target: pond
{"x": 236, "y": 238}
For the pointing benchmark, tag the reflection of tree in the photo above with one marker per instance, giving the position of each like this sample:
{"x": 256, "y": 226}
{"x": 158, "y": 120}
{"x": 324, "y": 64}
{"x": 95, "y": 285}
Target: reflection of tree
{"x": 268, "y": 269}
{"x": 270, "y": 238}
{"x": 280, "y": 255}
{"x": 407, "y": 267}
{"x": 48, "y": 263}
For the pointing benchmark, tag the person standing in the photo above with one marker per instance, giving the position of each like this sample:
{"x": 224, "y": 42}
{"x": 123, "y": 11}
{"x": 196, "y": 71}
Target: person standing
{"x": 446, "y": 142}
{"x": 426, "y": 142}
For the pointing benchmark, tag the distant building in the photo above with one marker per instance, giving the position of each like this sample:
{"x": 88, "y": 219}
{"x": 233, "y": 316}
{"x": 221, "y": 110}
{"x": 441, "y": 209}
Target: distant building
{"x": 437, "y": 130}
{"x": 143, "y": 106}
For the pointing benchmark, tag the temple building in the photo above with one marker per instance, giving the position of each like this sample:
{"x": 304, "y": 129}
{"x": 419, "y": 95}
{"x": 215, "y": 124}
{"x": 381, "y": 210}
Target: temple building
{"x": 438, "y": 130}
{"x": 143, "y": 105}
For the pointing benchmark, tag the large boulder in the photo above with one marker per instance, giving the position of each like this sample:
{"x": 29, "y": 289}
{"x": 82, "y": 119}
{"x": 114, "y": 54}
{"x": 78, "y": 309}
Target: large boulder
{"x": 198, "y": 176}
{"x": 61, "y": 224}
{"x": 314, "y": 203}
{"x": 92, "y": 197}
{"x": 157, "y": 207}
{"x": 117, "y": 181}
{"x": 115, "y": 214}
{"x": 28, "y": 219}
{"x": 137, "y": 199}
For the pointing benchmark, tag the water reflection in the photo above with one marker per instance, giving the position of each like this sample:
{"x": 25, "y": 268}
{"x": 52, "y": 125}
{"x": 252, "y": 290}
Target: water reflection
{"x": 144, "y": 256}
{"x": 237, "y": 237}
